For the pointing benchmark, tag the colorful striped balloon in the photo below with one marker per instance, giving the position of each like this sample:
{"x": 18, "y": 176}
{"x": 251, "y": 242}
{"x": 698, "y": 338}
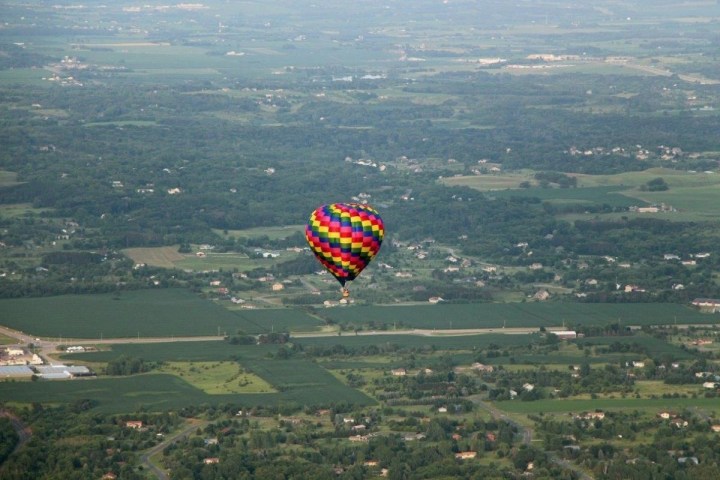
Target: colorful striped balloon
{"x": 345, "y": 237}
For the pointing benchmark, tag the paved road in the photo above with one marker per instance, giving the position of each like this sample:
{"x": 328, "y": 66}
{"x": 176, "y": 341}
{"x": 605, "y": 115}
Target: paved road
{"x": 146, "y": 458}
{"x": 527, "y": 437}
{"x": 422, "y": 332}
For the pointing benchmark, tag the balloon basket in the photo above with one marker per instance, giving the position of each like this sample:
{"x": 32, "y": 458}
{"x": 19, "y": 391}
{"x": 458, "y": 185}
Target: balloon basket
{"x": 345, "y": 293}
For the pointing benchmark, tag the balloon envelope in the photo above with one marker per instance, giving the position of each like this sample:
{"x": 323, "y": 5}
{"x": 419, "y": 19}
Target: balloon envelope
{"x": 345, "y": 237}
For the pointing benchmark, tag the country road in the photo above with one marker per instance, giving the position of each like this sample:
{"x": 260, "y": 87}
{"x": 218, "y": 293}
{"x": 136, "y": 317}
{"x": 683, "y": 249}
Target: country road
{"x": 146, "y": 458}
{"x": 527, "y": 437}
{"x": 47, "y": 346}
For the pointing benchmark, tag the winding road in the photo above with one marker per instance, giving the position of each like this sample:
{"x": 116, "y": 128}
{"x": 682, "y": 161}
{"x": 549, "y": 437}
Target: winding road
{"x": 146, "y": 457}
{"x": 527, "y": 437}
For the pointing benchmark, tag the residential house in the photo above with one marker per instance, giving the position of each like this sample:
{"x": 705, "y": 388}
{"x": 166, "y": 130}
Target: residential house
{"x": 465, "y": 455}
{"x": 541, "y": 295}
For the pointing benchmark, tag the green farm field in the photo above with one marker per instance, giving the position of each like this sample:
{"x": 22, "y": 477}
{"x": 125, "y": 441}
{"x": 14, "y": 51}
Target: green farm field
{"x": 589, "y": 405}
{"x": 144, "y": 313}
{"x": 654, "y": 346}
{"x": 209, "y": 351}
{"x": 163, "y": 392}
{"x": 151, "y": 392}
{"x": 469, "y": 342}
{"x": 176, "y": 312}
{"x": 296, "y": 381}
{"x": 497, "y": 315}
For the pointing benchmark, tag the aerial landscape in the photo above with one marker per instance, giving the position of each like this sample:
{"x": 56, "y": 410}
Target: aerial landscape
{"x": 526, "y": 199}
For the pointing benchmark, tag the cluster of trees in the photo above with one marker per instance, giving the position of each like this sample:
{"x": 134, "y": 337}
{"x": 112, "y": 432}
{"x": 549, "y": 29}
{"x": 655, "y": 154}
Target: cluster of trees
{"x": 8, "y": 438}
{"x": 124, "y": 365}
{"x": 655, "y": 448}
{"x": 101, "y": 443}
{"x": 245, "y": 450}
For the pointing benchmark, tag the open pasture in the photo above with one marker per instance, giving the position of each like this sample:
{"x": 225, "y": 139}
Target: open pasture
{"x": 18, "y": 209}
{"x": 674, "y": 178}
{"x": 164, "y": 257}
{"x": 692, "y": 203}
{"x": 272, "y": 233}
{"x": 229, "y": 261}
{"x": 497, "y": 315}
{"x": 217, "y": 378}
{"x": 491, "y": 182}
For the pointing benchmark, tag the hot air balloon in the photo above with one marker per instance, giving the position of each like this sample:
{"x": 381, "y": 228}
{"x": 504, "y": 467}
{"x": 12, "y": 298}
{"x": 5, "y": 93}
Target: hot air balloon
{"x": 345, "y": 237}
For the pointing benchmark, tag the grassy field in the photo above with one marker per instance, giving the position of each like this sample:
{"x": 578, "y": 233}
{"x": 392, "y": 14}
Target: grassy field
{"x": 217, "y": 378}
{"x": 169, "y": 257}
{"x": 693, "y": 194}
{"x": 164, "y": 257}
{"x": 273, "y": 233}
{"x": 229, "y": 261}
{"x": 18, "y": 209}
{"x": 7, "y": 179}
